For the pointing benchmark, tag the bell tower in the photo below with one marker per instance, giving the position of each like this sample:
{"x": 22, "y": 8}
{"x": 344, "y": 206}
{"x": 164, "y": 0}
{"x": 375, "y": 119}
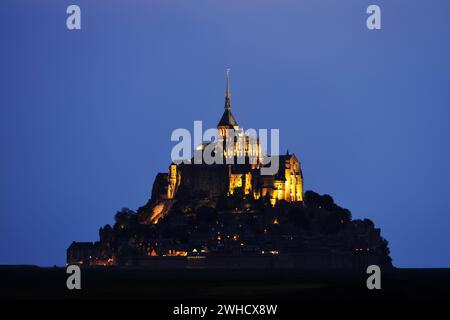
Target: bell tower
{"x": 227, "y": 121}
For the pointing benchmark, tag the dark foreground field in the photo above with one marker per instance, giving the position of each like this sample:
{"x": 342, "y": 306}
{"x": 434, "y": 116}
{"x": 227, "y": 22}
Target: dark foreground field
{"x": 223, "y": 285}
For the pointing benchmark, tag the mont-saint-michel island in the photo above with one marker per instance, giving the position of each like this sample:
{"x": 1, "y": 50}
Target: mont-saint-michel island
{"x": 235, "y": 215}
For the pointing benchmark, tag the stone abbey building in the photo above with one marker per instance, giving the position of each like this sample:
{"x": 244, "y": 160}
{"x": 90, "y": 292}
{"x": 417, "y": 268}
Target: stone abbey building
{"x": 216, "y": 180}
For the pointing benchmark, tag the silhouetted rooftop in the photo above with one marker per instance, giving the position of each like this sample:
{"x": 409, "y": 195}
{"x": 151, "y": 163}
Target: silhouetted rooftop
{"x": 227, "y": 119}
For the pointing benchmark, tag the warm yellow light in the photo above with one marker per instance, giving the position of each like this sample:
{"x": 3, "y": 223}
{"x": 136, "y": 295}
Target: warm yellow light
{"x": 156, "y": 212}
{"x": 174, "y": 253}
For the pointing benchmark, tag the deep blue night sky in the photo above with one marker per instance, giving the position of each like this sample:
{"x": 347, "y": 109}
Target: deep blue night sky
{"x": 86, "y": 116}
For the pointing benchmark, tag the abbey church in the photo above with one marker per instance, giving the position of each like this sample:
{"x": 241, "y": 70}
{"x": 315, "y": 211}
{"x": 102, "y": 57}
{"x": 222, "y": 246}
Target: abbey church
{"x": 215, "y": 180}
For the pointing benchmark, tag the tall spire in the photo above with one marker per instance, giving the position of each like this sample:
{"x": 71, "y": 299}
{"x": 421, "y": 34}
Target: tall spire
{"x": 227, "y": 119}
{"x": 227, "y": 94}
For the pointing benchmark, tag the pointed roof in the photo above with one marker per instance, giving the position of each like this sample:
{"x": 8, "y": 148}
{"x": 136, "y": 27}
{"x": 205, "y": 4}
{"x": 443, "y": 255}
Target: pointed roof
{"x": 227, "y": 119}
